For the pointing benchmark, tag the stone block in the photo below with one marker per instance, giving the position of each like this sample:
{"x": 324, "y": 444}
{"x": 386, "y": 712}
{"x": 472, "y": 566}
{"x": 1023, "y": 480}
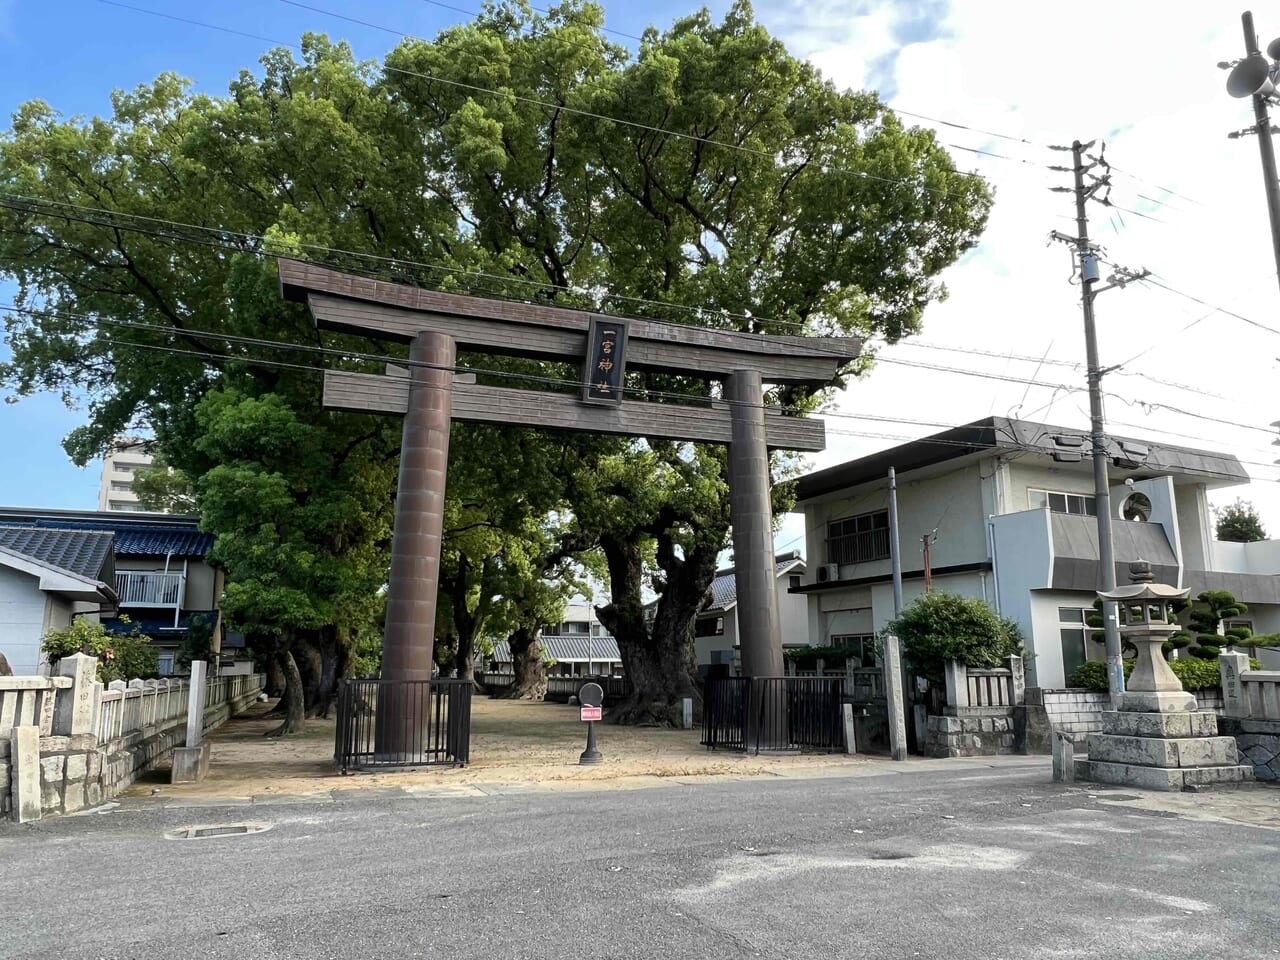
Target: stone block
{"x": 77, "y": 767}
{"x": 72, "y": 797}
{"x": 93, "y": 764}
{"x": 946, "y": 724}
{"x": 73, "y": 711}
{"x": 1159, "y": 752}
{"x": 51, "y": 769}
{"x": 1207, "y": 752}
{"x": 1129, "y": 775}
{"x": 1164, "y": 725}
{"x": 24, "y": 759}
{"x": 1232, "y": 775}
{"x": 190, "y": 764}
{"x": 51, "y": 796}
{"x": 92, "y": 793}
{"x": 1166, "y": 701}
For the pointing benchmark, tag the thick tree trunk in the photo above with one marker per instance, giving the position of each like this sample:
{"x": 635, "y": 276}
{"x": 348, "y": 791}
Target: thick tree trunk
{"x": 530, "y": 682}
{"x": 465, "y": 662}
{"x": 295, "y": 709}
{"x": 655, "y": 658}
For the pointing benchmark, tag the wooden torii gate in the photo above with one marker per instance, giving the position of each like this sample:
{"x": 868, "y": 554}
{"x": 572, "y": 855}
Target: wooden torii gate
{"x": 436, "y": 325}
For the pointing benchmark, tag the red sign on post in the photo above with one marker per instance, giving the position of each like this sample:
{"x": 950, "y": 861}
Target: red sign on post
{"x": 591, "y": 713}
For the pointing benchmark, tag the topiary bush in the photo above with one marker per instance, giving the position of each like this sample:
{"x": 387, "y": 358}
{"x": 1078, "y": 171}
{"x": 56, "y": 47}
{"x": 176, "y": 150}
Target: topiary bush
{"x": 939, "y": 627}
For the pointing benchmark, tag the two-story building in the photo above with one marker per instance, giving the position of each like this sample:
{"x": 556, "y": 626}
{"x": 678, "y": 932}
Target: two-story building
{"x": 163, "y": 585}
{"x": 716, "y": 629}
{"x": 1007, "y": 511}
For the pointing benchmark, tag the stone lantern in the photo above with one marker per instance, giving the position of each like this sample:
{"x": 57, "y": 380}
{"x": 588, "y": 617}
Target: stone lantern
{"x": 1156, "y": 737}
{"x": 1147, "y": 622}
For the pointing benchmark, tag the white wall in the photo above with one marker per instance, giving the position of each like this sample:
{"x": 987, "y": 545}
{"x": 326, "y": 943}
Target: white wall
{"x": 952, "y": 502}
{"x": 1045, "y": 637}
{"x": 793, "y": 612}
{"x": 1194, "y": 527}
{"x": 1064, "y": 478}
{"x": 24, "y": 619}
{"x": 1262, "y": 557}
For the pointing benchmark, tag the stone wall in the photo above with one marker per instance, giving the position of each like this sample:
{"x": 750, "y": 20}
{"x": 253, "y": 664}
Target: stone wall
{"x": 1258, "y": 742}
{"x": 79, "y": 772}
{"x": 1078, "y": 713}
{"x": 969, "y": 736}
{"x": 90, "y": 742}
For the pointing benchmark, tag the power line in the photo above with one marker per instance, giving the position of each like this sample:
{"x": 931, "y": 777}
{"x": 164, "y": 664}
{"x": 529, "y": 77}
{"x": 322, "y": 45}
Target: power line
{"x": 1205, "y": 303}
{"x": 219, "y": 359}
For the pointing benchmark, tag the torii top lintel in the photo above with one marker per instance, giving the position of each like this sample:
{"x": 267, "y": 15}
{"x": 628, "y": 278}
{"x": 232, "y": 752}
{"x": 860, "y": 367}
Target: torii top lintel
{"x": 378, "y": 308}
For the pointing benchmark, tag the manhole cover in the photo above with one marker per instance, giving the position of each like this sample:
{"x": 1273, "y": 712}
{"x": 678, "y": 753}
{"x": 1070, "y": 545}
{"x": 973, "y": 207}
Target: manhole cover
{"x": 216, "y": 830}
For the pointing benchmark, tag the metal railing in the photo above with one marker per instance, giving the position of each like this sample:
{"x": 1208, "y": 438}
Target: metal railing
{"x": 137, "y": 589}
{"x": 773, "y": 713}
{"x": 861, "y": 547}
{"x": 403, "y": 723}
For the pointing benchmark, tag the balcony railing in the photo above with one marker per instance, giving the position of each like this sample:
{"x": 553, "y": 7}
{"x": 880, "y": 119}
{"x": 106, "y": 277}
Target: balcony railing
{"x": 150, "y": 589}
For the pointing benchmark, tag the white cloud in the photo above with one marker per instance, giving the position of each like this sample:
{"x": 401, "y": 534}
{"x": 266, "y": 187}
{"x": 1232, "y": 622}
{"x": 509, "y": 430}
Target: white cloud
{"x": 1145, "y": 81}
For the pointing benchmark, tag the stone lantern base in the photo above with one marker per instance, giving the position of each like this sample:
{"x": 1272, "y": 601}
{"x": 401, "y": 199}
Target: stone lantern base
{"x": 1166, "y": 748}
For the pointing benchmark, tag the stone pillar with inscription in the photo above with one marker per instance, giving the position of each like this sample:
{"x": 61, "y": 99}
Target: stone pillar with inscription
{"x": 75, "y": 711}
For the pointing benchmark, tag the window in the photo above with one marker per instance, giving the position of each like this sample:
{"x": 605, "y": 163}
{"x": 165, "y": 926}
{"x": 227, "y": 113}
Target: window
{"x": 709, "y": 627}
{"x": 121, "y": 486}
{"x": 1074, "y": 652}
{"x": 862, "y": 644}
{"x": 127, "y": 467}
{"x": 859, "y": 539}
{"x": 1073, "y": 503}
{"x": 1070, "y": 615}
{"x": 794, "y": 581}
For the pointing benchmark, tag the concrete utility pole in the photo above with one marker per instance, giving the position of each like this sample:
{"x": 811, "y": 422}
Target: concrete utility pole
{"x": 1097, "y": 426}
{"x": 895, "y": 687}
{"x": 1255, "y": 77}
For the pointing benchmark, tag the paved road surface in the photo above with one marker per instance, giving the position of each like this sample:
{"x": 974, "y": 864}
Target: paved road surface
{"x": 969, "y": 862}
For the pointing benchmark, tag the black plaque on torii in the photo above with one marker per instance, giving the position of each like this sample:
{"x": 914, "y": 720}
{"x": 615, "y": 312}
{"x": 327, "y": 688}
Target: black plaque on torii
{"x": 436, "y": 325}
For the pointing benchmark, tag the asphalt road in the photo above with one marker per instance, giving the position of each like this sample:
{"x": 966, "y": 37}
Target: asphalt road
{"x": 965, "y": 863}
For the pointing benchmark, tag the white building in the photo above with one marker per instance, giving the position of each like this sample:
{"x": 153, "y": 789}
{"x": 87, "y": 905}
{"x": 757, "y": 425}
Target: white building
{"x": 716, "y": 629}
{"x": 579, "y": 645}
{"x": 1009, "y": 509}
{"x": 115, "y": 490}
{"x": 47, "y": 577}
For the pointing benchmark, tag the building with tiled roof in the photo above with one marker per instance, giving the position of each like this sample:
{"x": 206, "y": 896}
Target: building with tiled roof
{"x": 47, "y": 577}
{"x": 160, "y": 572}
{"x": 716, "y": 629}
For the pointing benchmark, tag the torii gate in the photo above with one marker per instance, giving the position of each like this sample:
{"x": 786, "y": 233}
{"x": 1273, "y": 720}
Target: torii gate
{"x": 436, "y": 325}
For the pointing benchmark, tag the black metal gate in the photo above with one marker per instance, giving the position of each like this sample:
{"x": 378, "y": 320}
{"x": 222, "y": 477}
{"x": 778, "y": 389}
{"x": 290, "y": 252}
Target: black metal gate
{"x": 403, "y": 723}
{"x": 783, "y": 713}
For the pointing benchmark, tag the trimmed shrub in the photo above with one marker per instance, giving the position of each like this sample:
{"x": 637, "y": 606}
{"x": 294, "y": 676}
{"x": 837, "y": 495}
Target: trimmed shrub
{"x": 1195, "y": 673}
{"x": 939, "y": 627}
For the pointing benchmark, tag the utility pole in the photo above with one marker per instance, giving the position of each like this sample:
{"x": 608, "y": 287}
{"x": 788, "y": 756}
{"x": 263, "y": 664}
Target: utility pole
{"x": 1255, "y": 77}
{"x": 1097, "y": 425}
{"x": 895, "y": 553}
{"x": 895, "y": 687}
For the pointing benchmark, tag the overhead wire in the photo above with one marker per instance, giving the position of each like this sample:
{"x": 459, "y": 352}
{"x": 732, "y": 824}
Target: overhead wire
{"x": 223, "y": 358}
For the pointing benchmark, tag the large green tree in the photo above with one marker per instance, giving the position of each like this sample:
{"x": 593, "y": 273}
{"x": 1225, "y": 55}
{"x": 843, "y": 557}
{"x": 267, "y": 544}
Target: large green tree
{"x": 713, "y": 179}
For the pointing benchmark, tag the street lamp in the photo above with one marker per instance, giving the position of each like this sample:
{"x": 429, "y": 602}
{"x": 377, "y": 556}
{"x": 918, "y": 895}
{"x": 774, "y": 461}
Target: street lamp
{"x": 1258, "y": 76}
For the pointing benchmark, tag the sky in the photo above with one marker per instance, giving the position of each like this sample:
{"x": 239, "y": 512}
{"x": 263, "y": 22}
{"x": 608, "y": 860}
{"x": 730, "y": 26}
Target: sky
{"x": 989, "y": 79}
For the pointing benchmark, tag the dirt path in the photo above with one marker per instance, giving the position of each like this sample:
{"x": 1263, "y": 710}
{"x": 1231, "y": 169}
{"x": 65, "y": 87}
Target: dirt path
{"x": 511, "y": 742}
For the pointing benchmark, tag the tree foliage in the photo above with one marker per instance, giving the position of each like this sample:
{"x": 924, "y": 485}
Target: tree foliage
{"x": 939, "y": 627}
{"x": 1239, "y": 522}
{"x": 741, "y": 191}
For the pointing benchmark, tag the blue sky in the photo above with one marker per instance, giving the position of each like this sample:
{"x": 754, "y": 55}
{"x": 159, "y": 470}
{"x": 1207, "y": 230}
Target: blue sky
{"x": 73, "y": 53}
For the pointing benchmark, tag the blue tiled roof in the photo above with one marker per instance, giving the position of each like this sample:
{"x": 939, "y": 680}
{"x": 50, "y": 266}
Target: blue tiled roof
{"x": 82, "y": 552}
{"x": 565, "y": 648}
{"x": 134, "y": 539}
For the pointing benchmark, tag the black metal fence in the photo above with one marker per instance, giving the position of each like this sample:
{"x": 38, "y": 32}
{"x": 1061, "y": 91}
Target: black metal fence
{"x": 773, "y": 713}
{"x": 403, "y": 723}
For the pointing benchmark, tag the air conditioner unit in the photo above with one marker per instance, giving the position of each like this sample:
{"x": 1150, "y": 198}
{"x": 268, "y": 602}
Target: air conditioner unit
{"x": 828, "y": 572}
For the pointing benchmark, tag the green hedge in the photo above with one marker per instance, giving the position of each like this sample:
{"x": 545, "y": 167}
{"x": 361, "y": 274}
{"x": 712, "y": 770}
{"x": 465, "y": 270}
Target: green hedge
{"x": 1195, "y": 674}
